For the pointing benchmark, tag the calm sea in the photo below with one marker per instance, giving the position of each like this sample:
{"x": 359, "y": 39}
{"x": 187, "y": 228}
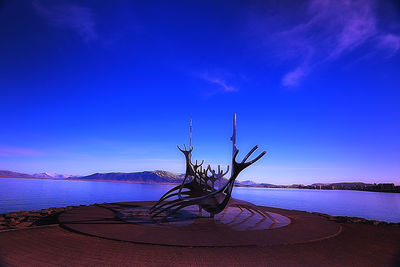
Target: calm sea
{"x": 33, "y": 194}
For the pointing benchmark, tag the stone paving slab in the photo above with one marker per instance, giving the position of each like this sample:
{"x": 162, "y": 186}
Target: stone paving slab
{"x": 357, "y": 245}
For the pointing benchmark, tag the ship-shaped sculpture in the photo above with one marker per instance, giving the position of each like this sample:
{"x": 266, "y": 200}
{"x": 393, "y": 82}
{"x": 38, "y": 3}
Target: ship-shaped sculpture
{"x": 198, "y": 186}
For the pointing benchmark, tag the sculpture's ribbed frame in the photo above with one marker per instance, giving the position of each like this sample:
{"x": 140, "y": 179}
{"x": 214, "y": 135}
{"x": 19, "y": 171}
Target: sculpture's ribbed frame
{"x": 200, "y": 190}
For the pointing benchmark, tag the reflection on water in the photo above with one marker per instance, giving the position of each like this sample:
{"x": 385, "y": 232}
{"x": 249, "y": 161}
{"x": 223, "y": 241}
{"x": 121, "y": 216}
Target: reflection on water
{"x": 33, "y": 194}
{"x": 369, "y": 205}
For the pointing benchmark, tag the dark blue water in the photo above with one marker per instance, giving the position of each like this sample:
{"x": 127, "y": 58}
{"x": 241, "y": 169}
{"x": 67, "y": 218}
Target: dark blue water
{"x": 33, "y": 194}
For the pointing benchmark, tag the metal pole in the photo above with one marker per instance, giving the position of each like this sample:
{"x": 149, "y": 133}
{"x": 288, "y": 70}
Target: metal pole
{"x": 233, "y": 138}
{"x": 190, "y": 136}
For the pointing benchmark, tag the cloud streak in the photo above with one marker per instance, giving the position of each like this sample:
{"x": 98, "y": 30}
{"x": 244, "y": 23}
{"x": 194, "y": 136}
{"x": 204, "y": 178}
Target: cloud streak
{"x": 74, "y": 17}
{"x": 6, "y": 151}
{"x": 220, "y": 81}
{"x": 391, "y": 43}
{"x": 330, "y": 30}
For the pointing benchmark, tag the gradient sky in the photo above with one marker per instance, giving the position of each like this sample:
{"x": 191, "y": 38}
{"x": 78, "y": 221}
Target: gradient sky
{"x": 101, "y": 86}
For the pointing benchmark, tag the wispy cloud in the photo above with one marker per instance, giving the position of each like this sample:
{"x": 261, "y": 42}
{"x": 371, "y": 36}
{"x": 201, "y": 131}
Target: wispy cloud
{"x": 293, "y": 77}
{"x": 220, "y": 81}
{"x": 391, "y": 43}
{"x": 77, "y": 18}
{"x": 7, "y": 151}
{"x": 329, "y": 30}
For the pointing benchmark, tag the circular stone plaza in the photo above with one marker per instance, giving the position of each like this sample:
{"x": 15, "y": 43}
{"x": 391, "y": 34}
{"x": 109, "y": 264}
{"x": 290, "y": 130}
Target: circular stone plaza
{"x": 123, "y": 234}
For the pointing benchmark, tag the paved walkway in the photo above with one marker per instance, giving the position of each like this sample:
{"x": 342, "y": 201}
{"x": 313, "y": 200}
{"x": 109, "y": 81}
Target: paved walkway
{"x": 356, "y": 245}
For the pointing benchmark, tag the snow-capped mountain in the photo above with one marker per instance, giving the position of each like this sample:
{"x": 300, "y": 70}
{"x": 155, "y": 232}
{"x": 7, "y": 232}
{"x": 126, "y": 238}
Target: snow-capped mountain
{"x": 51, "y": 175}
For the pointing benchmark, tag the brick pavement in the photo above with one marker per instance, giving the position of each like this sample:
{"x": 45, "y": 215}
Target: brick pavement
{"x": 357, "y": 245}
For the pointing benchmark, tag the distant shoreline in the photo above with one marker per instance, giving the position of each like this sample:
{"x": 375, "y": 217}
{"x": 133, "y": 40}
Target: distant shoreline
{"x": 87, "y": 180}
{"x": 165, "y": 183}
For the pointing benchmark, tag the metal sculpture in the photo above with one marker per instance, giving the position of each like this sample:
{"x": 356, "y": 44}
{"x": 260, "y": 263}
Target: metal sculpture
{"x": 198, "y": 186}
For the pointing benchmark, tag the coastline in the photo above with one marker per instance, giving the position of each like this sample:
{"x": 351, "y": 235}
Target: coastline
{"x": 165, "y": 183}
{"x": 87, "y": 180}
{"x": 52, "y": 199}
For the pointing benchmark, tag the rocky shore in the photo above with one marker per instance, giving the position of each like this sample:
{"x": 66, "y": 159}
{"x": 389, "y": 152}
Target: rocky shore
{"x": 25, "y": 219}
{"x": 346, "y": 219}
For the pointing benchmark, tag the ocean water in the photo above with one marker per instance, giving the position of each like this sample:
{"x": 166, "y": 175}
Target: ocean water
{"x": 18, "y": 194}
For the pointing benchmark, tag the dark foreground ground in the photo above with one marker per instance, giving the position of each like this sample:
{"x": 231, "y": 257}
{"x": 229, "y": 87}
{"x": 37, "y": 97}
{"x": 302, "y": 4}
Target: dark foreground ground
{"x": 358, "y": 244}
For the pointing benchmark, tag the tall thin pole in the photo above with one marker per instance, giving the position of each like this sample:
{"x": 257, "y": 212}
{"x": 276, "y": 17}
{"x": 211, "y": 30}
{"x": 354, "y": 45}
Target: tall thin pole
{"x": 233, "y": 138}
{"x": 190, "y": 135}
{"x": 190, "y": 129}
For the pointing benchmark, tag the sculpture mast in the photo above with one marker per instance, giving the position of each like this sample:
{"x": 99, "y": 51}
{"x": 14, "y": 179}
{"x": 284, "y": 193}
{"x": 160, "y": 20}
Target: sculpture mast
{"x": 233, "y": 138}
{"x": 190, "y": 135}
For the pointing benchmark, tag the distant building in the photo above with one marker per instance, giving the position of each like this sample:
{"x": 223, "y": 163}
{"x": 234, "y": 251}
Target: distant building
{"x": 298, "y": 185}
{"x": 386, "y": 187}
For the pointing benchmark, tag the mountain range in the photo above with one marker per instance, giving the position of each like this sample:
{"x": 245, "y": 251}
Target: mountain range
{"x": 157, "y": 176}
{"x": 138, "y": 177}
{"x": 149, "y": 177}
{"x": 4, "y": 173}
{"x": 165, "y": 177}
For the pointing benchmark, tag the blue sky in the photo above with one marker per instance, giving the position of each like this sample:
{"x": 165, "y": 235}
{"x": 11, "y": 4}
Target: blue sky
{"x": 96, "y": 86}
